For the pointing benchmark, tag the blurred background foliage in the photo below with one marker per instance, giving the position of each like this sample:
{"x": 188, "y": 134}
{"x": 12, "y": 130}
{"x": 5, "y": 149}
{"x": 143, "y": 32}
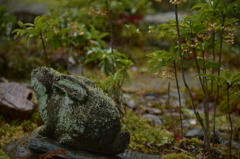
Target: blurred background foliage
{"x": 80, "y": 25}
{"x": 83, "y": 25}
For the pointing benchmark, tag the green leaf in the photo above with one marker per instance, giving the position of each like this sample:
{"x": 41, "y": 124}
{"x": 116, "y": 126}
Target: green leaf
{"x": 21, "y": 24}
{"x": 91, "y": 59}
{"x": 188, "y": 112}
{"x": 211, "y": 64}
{"x": 230, "y": 21}
{"x": 229, "y": 77}
{"x": 64, "y": 31}
{"x": 69, "y": 41}
{"x": 29, "y": 24}
{"x": 108, "y": 82}
{"x": 103, "y": 35}
{"x": 36, "y": 20}
{"x": 210, "y": 76}
{"x": 216, "y": 4}
{"x": 17, "y": 30}
{"x": 156, "y": 65}
{"x": 29, "y": 40}
{"x": 125, "y": 62}
{"x": 198, "y": 5}
{"x": 167, "y": 33}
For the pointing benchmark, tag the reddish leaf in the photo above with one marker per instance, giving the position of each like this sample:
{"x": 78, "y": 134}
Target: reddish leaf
{"x": 56, "y": 153}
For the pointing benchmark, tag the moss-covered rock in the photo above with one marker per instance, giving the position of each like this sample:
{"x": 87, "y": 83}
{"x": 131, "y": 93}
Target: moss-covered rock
{"x": 77, "y": 113}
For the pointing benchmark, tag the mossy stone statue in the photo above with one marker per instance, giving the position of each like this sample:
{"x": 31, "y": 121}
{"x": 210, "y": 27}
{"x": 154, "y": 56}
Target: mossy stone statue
{"x": 77, "y": 113}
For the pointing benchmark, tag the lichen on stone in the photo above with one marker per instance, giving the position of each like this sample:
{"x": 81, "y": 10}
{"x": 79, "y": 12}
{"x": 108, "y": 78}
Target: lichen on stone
{"x": 77, "y": 113}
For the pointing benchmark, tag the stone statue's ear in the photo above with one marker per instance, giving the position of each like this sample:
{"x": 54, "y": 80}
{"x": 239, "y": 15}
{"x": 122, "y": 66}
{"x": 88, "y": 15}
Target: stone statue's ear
{"x": 71, "y": 87}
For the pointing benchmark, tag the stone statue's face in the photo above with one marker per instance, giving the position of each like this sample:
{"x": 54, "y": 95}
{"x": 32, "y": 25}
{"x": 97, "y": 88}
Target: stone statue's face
{"x": 44, "y": 75}
{"x": 49, "y": 81}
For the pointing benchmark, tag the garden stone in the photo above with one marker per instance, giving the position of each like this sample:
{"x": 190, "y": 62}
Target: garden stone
{"x": 197, "y": 133}
{"x": 153, "y": 119}
{"x": 77, "y": 113}
{"x": 224, "y": 139}
{"x": 160, "y": 18}
{"x": 154, "y": 111}
{"x": 33, "y": 145}
{"x": 150, "y": 96}
{"x": 131, "y": 103}
{"x": 15, "y": 100}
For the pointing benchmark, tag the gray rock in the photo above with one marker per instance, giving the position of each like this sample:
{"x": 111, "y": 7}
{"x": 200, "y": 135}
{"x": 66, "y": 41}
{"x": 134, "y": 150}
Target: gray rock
{"x": 224, "y": 139}
{"x": 15, "y": 100}
{"x": 131, "y": 103}
{"x": 34, "y": 8}
{"x": 176, "y": 103}
{"x": 153, "y": 118}
{"x": 161, "y": 17}
{"x": 150, "y": 96}
{"x": 154, "y": 111}
{"x": 77, "y": 113}
{"x": 173, "y": 95}
{"x": 234, "y": 143}
{"x": 33, "y": 145}
{"x": 196, "y": 132}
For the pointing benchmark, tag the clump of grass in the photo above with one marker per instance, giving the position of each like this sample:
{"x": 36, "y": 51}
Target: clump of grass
{"x": 9, "y": 132}
{"x": 145, "y": 138}
{"x": 3, "y": 155}
{"x": 14, "y": 129}
{"x": 183, "y": 155}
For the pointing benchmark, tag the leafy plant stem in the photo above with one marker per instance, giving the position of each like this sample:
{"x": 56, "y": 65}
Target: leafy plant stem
{"x": 111, "y": 30}
{"x": 198, "y": 69}
{"x": 221, "y": 46}
{"x": 118, "y": 94}
{"x": 200, "y": 120}
{"x": 218, "y": 72}
{"x": 230, "y": 121}
{"x": 67, "y": 54}
{"x": 206, "y": 99}
{"x": 179, "y": 96}
{"x": 205, "y": 91}
{"x": 44, "y": 48}
{"x": 170, "y": 110}
{"x": 215, "y": 103}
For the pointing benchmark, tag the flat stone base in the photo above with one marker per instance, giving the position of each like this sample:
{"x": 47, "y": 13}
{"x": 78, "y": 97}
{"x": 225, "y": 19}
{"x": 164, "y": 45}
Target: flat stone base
{"x": 32, "y": 146}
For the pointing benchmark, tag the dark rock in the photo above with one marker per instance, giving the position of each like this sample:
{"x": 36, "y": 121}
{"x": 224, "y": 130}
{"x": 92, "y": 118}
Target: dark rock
{"x": 150, "y": 96}
{"x": 211, "y": 105}
{"x": 197, "y": 133}
{"x": 234, "y": 143}
{"x": 77, "y": 113}
{"x": 15, "y": 100}
{"x": 224, "y": 139}
{"x": 33, "y": 145}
